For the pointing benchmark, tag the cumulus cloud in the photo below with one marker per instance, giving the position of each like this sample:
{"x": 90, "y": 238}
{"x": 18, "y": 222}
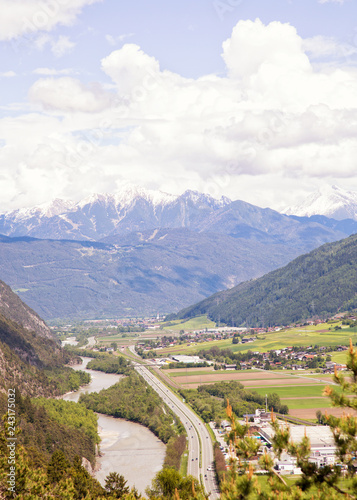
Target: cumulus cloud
{"x": 69, "y": 95}
{"x": 129, "y": 66}
{"x": 273, "y": 116}
{"x": 254, "y": 48}
{"x": 22, "y": 17}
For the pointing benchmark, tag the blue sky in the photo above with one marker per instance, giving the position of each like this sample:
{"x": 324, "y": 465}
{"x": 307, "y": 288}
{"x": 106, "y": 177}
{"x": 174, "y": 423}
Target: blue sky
{"x": 250, "y": 99}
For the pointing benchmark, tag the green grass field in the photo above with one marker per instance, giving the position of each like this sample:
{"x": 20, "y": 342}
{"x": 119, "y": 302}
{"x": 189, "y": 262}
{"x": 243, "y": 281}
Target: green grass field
{"x": 297, "y": 404}
{"x": 119, "y": 339}
{"x": 294, "y": 391}
{"x": 310, "y": 335}
{"x": 339, "y": 357}
{"x": 198, "y": 323}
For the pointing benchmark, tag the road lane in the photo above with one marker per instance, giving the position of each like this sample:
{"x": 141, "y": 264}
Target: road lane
{"x": 200, "y": 456}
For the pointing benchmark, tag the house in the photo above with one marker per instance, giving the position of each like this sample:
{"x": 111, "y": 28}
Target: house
{"x": 308, "y": 357}
{"x": 259, "y": 416}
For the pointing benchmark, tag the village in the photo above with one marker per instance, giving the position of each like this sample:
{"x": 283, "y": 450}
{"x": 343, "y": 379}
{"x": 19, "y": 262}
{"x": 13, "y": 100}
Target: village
{"x": 323, "y": 448}
{"x": 287, "y": 358}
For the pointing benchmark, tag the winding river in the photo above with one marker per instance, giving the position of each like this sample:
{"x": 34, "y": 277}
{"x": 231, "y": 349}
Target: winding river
{"x": 126, "y": 447}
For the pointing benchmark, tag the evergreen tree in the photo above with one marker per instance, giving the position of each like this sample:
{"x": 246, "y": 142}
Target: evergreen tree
{"x": 315, "y": 483}
{"x": 58, "y": 467}
{"x": 116, "y": 485}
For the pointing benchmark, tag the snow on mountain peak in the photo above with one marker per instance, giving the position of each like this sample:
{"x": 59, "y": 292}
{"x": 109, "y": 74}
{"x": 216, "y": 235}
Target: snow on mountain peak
{"x": 56, "y": 207}
{"x": 49, "y": 209}
{"x": 129, "y": 193}
{"x": 331, "y": 201}
{"x": 124, "y": 197}
{"x": 197, "y": 197}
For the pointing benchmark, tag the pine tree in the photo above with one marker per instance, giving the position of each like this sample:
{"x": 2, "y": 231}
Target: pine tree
{"x": 315, "y": 483}
{"x": 116, "y": 485}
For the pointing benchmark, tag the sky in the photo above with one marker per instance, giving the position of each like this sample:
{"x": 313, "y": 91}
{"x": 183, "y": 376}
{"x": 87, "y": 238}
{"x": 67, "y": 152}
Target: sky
{"x": 249, "y": 99}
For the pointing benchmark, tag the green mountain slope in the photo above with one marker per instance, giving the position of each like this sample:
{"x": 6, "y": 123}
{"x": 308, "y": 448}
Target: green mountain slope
{"x": 30, "y": 357}
{"x": 319, "y": 283}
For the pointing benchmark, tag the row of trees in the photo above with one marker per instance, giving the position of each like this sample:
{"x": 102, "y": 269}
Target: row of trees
{"x": 242, "y": 400}
{"x": 134, "y": 400}
{"x": 111, "y": 364}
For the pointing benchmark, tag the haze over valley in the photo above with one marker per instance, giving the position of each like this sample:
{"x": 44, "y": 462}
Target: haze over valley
{"x": 139, "y": 253}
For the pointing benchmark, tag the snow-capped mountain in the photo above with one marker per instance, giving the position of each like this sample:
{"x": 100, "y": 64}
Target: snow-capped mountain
{"x": 51, "y": 209}
{"x": 140, "y": 251}
{"x": 101, "y": 215}
{"x": 331, "y": 201}
{"x": 127, "y": 196}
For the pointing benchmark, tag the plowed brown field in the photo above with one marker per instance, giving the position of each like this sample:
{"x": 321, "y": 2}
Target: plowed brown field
{"x": 254, "y": 380}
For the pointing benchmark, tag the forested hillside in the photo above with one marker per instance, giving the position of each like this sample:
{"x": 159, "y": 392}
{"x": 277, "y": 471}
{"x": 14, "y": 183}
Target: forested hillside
{"x": 320, "y": 284}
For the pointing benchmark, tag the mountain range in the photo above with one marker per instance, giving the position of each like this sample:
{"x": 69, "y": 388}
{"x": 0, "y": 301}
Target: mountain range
{"x": 331, "y": 201}
{"x": 321, "y": 283}
{"x": 102, "y": 215}
{"x": 141, "y": 252}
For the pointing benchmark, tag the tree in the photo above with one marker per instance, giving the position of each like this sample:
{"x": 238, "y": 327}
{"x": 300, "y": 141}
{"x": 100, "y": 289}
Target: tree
{"x": 116, "y": 485}
{"x": 164, "y": 483}
{"x": 319, "y": 416}
{"x": 57, "y": 467}
{"x": 314, "y": 483}
{"x": 169, "y": 484}
{"x": 114, "y": 345}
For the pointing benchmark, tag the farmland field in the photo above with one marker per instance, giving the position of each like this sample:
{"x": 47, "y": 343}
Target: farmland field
{"x": 319, "y": 335}
{"x": 310, "y": 413}
{"x": 249, "y": 378}
{"x": 198, "y": 323}
{"x": 301, "y": 391}
{"x": 298, "y": 391}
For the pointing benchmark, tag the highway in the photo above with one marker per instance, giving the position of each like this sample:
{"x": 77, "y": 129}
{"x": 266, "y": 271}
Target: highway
{"x": 197, "y": 434}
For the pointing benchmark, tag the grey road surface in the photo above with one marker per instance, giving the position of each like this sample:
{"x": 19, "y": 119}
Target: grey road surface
{"x": 200, "y": 457}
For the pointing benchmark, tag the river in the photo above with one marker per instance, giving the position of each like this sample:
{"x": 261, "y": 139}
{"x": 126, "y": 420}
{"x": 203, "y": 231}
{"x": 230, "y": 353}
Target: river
{"x": 126, "y": 447}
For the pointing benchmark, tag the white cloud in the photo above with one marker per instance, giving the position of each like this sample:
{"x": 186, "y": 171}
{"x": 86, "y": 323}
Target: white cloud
{"x": 129, "y": 66}
{"x": 40, "y": 41}
{"x": 254, "y": 48}
{"x": 8, "y": 74}
{"x": 332, "y": 1}
{"x": 23, "y": 17}
{"x": 321, "y": 47}
{"x": 52, "y": 71}
{"x": 68, "y": 95}
{"x": 115, "y": 40}
{"x": 61, "y": 46}
{"x": 274, "y": 116}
